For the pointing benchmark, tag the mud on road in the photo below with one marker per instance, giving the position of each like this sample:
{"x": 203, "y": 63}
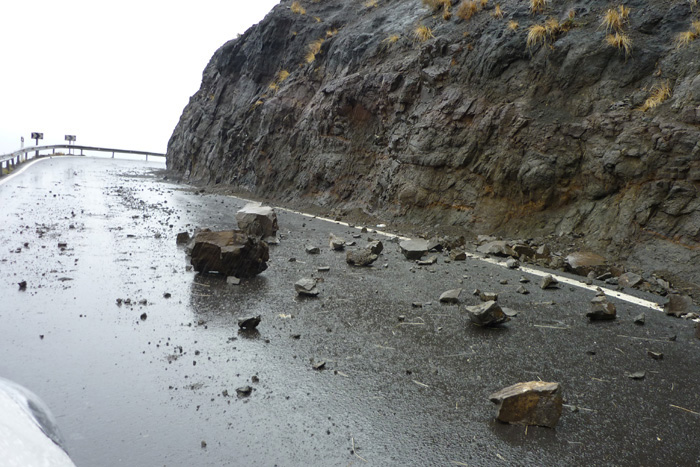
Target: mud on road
{"x": 401, "y": 384}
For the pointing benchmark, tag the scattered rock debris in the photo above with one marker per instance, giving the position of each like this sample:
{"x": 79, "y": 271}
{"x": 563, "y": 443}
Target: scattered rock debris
{"x": 336, "y": 243}
{"x": 22, "y": 285}
{"x": 257, "y": 221}
{"x": 450, "y": 296}
{"x": 361, "y": 257}
{"x": 601, "y": 308}
{"x": 414, "y": 249}
{"x": 548, "y": 282}
{"x": 244, "y": 391}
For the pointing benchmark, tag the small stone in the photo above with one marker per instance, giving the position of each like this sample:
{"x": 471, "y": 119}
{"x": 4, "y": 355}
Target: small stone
{"x": 336, "y": 243}
{"x": 233, "y": 280}
{"x": 522, "y": 290}
{"x": 417, "y": 305}
{"x": 323, "y": 268}
{"x": 503, "y": 282}
{"x": 524, "y": 280}
{"x": 167, "y": 295}
{"x": 548, "y": 282}
{"x": 487, "y": 314}
{"x": 22, "y": 285}
{"x": 697, "y": 330}
{"x": 254, "y": 379}
{"x": 531, "y": 403}
{"x": 450, "y": 296}
{"x": 361, "y": 257}
{"x": 249, "y": 323}
{"x": 640, "y": 319}
{"x": 601, "y": 309}
{"x": 427, "y": 262}
{"x": 678, "y": 305}
{"x": 636, "y": 375}
{"x": 512, "y": 263}
{"x": 244, "y": 391}
{"x": 655, "y": 355}
{"x": 204, "y": 444}
{"x": 144, "y": 316}
{"x": 458, "y": 255}
{"x": 319, "y": 365}
{"x": 292, "y": 260}
{"x": 488, "y": 296}
{"x": 306, "y": 286}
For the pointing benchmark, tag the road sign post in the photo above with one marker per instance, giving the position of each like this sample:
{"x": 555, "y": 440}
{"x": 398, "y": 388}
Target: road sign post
{"x": 71, "y": 139}
{"x": 36, "y": 136}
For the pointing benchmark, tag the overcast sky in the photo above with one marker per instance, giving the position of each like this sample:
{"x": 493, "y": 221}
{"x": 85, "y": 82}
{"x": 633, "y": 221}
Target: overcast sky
{"x": 113, "y": 73}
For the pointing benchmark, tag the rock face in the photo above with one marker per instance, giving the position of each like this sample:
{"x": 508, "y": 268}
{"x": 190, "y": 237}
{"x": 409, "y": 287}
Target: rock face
{"x": 532, "y": 403}
{"x": 260, "y": 221}
{"x": 470, "y": 127}
{"x": 229, "y": 252}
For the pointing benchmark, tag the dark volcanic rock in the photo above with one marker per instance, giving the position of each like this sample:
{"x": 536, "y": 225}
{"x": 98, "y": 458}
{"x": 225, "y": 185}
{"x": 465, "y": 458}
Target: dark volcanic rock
{"x": 229, "y": 252}
{"x": 474, "y": 130}
{"x": 249, "y": 323}
{"x": 532, "y": 403}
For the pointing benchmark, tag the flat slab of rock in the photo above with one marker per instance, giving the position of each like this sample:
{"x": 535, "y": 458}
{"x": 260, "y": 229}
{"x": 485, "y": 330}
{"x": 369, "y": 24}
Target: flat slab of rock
{"x": 306, "y": 286}
{"x": 531, "y": 403}
{"x": 450, "y": 296}
{"x": 487, "y": 314}
{"x": 583, "y": 262}
{"x": 313, "y": 250}
{"x": 629, "y": 279}
{"x": 249, "y": 323}
{"x": 183, "y": 238}
{"x": 256, "y": 220}
{"x": 229, "y": 252}
{"x": 458, "y": 255}
{"x": 361, "y": 257}
{"x": 496, "y": 248}
{"x": 414, "y": 249}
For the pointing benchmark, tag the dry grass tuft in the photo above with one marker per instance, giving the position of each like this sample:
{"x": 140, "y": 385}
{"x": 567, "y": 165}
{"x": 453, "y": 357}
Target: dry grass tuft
{"x": 281, "y": 76}
{"x": 552, "y": 27}
{"x": 658, "y": 95}
{"x": 437, "y": 4}
{"x": 621, "y": 41}
{"x": 423, "y": 33}
{"x": 297, "y": 9}
{"x": 685, "y": 38}
{"x": 484, "y": 3}
{"x": 331, "y": 32}
{"x": 536, "y": 34}
{"x": 446, "y": 13}
{"x": 571, "y": 15}
{"x": 614, "y": 20}
{"x": 392, "y": 39}
{"x": 467, "y": 9}
{"x": 695, "y": 27}
{"x": 370, "y": 4}
{"x": 512, "y": 25}
{"x": 314, "y": 49}
{"x": 497, "y": 12}
{"x": 537, "y": 6}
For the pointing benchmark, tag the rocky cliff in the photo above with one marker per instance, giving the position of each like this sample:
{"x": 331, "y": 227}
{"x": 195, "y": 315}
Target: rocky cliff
{"x": 521, "y": 119}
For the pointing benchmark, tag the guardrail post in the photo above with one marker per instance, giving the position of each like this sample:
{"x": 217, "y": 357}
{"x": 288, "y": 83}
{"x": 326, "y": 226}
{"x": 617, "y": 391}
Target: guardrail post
{"x": 146, "y": 157}
{"x": 112, "y": 154}
{"x": 81, "y": 152}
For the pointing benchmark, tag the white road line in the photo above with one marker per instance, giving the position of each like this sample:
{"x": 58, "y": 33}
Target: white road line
{"x": 25, "y": 166}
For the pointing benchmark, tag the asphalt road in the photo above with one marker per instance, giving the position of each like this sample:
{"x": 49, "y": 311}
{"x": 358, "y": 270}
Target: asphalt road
{"x": 133, "y": 392}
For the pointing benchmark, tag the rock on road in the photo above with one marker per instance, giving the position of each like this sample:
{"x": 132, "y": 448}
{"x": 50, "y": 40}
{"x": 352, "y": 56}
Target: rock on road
{"x": 401, "y": 384}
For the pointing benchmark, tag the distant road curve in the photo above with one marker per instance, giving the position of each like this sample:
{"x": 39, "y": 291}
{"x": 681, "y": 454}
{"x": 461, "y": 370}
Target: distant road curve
{"x": 21, "y": 155}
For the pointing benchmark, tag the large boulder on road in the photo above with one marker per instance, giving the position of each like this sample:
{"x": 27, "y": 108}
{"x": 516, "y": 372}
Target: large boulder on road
{"x": 259, "y": 221}
{"x": 229, "y": 252}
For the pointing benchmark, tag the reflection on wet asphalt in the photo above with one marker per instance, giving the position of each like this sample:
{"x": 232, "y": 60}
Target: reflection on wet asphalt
{"x": 129, "y": 392}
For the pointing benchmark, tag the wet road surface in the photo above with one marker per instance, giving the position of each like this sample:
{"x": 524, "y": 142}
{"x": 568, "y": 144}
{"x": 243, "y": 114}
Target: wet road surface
{"x": 133, "y": 392}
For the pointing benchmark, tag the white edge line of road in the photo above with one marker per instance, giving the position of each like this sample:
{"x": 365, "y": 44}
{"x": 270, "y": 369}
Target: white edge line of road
{"x": 564, "y": 280}
{"x": 8, "y": 177}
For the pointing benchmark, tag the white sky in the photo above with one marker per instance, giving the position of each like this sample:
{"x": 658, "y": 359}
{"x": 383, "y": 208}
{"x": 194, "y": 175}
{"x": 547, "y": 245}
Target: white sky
{"x": 113, "y": 73}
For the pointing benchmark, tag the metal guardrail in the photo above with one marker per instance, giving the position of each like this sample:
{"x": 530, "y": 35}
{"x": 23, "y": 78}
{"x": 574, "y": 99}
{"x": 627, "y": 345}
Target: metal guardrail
{"x": 8, "y": 161}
